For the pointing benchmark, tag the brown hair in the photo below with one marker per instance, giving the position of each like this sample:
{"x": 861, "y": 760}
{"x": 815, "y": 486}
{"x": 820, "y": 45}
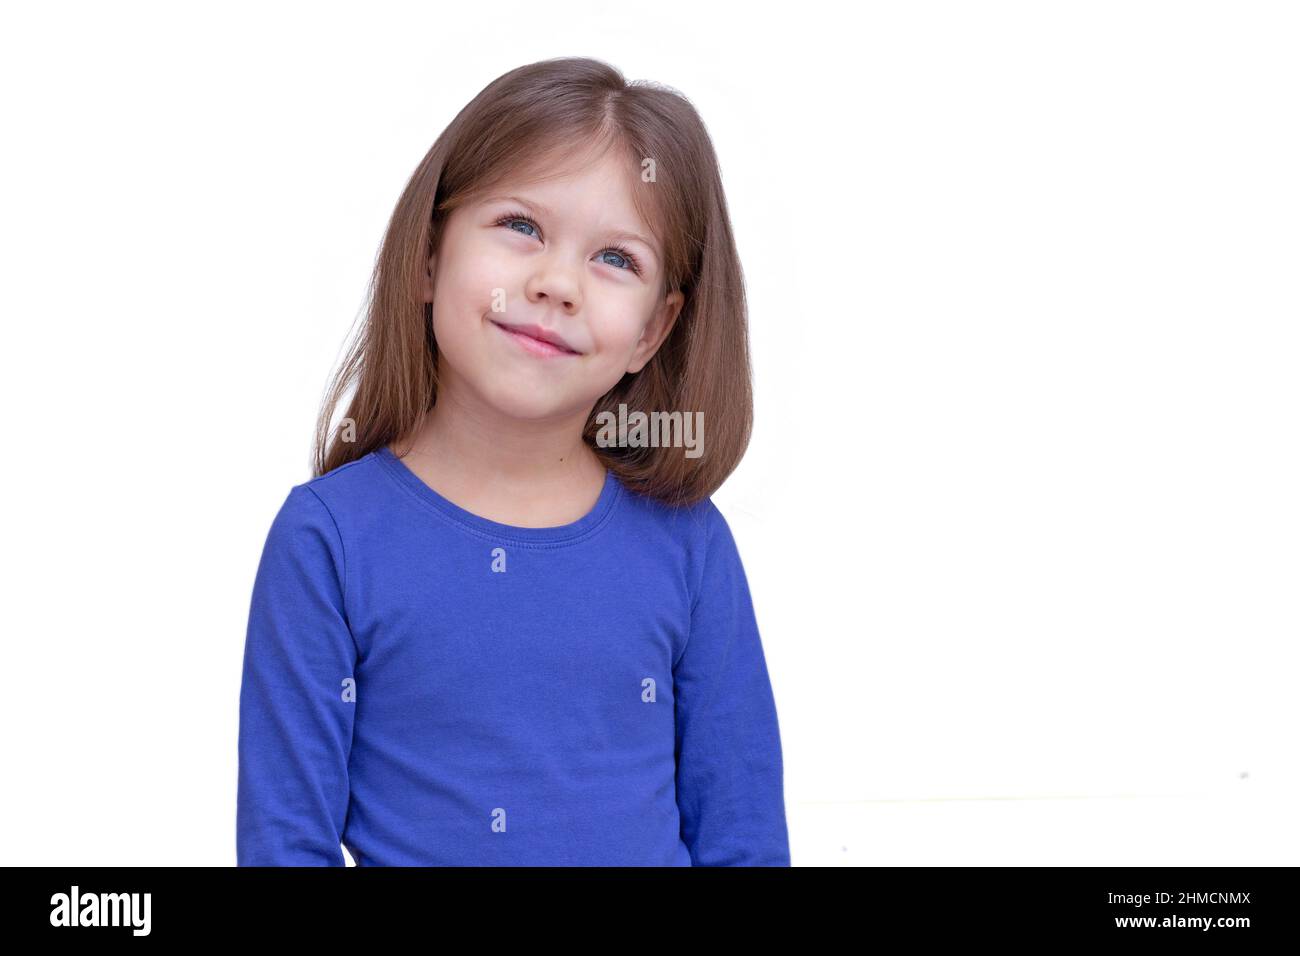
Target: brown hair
{"x": 541, "y": 111}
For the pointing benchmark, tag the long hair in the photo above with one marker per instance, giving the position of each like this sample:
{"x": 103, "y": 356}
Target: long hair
{"x": 540, "y": 112}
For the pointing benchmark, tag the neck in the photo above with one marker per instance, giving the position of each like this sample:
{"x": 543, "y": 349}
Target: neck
{"x": 474, "y": 449}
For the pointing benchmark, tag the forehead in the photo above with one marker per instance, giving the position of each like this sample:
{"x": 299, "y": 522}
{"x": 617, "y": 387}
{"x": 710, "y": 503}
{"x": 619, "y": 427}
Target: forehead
{"x": 591, "y": 186}
{"x": 603, "y": 189}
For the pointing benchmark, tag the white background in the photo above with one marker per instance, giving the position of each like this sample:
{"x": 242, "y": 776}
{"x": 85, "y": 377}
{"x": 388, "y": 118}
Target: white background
{"x": 1020, "y": 514}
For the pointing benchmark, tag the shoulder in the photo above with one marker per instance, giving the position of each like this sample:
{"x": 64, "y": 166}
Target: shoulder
{"x": 689, "y": 526}
{"x": 303, "y": 522}
{"x": 698, "y": 534}
{"x": 349, "y": 485}
{"x": 326, "y": 504}
{"x": 336, "y": 498}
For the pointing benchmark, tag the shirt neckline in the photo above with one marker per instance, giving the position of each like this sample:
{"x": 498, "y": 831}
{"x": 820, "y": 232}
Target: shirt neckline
{"x": 554, "y": 535}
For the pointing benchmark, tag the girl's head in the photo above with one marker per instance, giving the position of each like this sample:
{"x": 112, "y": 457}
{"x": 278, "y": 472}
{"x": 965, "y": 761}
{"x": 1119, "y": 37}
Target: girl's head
{"x": 562, "y": 197}
{"x": 560, "y": 246}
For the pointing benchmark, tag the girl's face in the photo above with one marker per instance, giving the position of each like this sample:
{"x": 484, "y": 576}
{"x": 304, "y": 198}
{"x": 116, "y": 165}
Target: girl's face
{"x": 569, "y": 258}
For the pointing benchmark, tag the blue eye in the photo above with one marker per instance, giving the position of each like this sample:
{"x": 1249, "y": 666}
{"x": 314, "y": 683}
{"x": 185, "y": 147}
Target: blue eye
{"x": 617, "y": 255}
{"x": 618, "y": 252}
{"x": 516, "y": 219}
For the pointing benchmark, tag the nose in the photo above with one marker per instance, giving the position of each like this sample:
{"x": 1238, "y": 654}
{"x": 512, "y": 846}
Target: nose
{"x": 554, "y": 282}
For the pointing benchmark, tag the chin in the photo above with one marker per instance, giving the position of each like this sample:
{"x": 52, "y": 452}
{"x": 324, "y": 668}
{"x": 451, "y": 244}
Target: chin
{"x": 517, "y": 400}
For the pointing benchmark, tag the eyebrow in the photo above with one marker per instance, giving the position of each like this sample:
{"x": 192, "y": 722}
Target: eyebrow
{"x": 545, "y": 211}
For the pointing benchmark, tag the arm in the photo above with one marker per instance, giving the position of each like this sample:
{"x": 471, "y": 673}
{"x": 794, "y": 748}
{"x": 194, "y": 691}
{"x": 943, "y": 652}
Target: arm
{"x": 729, "y": 768}
{"x": 295, "y": 719}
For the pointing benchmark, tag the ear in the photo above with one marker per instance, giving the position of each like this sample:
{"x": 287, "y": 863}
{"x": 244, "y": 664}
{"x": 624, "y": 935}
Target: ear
{"x": 656, "y": 330}
{"x": 426, "y": 281}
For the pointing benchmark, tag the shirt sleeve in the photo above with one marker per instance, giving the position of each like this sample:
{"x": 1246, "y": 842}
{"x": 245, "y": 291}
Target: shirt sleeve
{"x": 730, "y": 790}
{"x": 297, "y": 699}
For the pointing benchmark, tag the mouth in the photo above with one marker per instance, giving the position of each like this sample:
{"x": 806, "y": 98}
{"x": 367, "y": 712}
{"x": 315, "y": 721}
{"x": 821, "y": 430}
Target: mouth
{"x": 537, "y": 340}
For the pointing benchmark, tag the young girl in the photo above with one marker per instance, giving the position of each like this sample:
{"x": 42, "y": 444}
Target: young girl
{"x": 483, "y": 634}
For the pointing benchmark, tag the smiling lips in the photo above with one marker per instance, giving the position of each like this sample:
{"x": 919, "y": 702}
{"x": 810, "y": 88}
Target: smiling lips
{"x": 537, "y": 340}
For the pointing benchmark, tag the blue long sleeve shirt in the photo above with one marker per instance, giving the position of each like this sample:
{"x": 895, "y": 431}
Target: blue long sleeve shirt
{"x": 432, "y": 688}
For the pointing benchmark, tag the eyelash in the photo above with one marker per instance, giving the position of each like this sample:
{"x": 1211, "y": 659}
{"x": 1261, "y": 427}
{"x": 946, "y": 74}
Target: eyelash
{"x": 619, "y": 250}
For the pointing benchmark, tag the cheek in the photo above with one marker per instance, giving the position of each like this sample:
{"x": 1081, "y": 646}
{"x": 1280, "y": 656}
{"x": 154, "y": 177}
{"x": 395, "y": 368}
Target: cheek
{"x": 463, "y": 295}
{"x": 617, "y": 330}
{"x": 469, "y": 287}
